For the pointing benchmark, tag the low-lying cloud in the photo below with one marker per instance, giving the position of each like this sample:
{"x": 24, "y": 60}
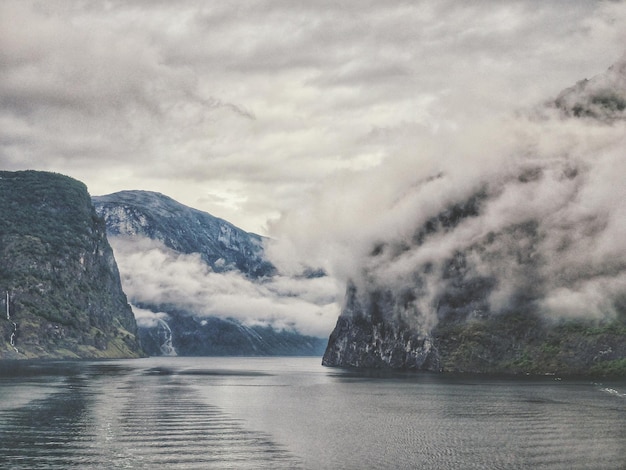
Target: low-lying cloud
{"x": 155, "y": 275}
{"x": 549, "y": 227}
{"x": 147, "y": 318}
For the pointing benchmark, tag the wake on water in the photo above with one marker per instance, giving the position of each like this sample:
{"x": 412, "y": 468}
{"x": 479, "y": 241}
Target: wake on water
{"x": 613, "y": 392}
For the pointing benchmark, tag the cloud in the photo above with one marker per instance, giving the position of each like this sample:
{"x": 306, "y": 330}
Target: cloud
{"x": 549, "y": 196}
{"x": 155, "y": 275}
{"x": 147, "y": 318}
{"x": 256, "y": 103}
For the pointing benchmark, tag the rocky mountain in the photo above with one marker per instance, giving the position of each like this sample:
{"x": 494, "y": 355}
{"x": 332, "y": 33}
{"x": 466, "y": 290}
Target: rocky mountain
{"x": 59, "y": 283}
{"x": 183, "y": 229}
{"x": 177, "y": 324}
{"x": 522, "y": 271}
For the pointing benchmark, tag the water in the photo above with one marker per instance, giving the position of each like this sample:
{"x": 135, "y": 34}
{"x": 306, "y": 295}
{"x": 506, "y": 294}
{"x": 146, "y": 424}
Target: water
{"x": 184, "y": 413}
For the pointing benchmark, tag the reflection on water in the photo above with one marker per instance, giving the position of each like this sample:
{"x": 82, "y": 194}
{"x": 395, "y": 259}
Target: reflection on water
{"x": 112, "y": 416}
{"x": 183, "y": 413}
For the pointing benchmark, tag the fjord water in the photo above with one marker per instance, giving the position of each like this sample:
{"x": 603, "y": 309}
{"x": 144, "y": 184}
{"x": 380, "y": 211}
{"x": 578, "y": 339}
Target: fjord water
{"x": 183, "y": 413}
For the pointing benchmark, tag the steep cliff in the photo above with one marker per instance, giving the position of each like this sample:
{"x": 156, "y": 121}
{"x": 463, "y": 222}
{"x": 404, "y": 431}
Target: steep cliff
{"x": 64, "y": 293}
{"x": 522, "y": 270}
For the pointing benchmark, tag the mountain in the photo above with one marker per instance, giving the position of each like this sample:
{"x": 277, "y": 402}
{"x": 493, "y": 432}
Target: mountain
{"x": 58, "y": 273}
{"x": 214, "y": 251}
{"x": 183, "y": 334}
{"x": 521, "y": 271}
{"x": 183, "y": 229}
{"x": 603, "y": 97}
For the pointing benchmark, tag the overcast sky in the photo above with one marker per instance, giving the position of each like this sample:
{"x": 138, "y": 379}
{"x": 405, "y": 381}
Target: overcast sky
{"x": 245, "y": 109}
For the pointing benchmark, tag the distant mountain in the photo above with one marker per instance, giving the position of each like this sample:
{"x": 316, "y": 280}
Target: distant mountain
{"x": 58, "y": 273}
{"x": 183, "y": 229}
{"x": 603, "y": 97}
{"x": 183, "y": 334}
{"x": 525, "y": 273}
{"x": 136, "y": 215}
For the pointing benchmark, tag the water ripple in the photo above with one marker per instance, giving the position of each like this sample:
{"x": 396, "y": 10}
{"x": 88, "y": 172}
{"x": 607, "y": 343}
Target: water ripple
{"x": 131, "y": 423}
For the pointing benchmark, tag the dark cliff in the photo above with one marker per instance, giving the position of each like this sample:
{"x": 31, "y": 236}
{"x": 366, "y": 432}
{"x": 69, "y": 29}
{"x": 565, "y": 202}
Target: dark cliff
{"x": 64, "y": 290}
{"x": 523, "y": 273}
{"x": 383, "y": 328}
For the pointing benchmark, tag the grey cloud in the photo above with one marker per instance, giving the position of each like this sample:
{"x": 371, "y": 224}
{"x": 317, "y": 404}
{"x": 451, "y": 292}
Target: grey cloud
{"x": 152, "y": 274}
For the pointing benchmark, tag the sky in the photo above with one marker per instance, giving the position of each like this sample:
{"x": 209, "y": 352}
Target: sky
{"x": 318, "y": 123}
{"x": 244, "y": 109}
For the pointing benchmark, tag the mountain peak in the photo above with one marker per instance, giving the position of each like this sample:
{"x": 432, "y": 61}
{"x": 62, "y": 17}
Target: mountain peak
{"x": 153, "y": 215}
{"x": 602, "y": 97}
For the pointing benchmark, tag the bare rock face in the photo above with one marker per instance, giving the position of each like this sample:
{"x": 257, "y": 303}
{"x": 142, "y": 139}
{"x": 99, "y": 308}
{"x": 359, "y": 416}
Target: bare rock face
{"x": 378, "y": 340}
{"x": 183, "y": 229}
{"x": 61, "y": 290}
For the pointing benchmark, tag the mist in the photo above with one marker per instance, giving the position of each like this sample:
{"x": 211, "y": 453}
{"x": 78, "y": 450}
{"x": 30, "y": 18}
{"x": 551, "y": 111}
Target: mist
{"x": 549, "y": 222}
{"x": 156, "y": 276}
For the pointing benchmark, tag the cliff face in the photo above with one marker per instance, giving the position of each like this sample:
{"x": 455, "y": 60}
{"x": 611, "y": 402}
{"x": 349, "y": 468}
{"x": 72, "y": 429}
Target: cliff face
{"x": 64, "y": 290}
{"x": 524, "y": 272}
{"x": 384, "y": 329}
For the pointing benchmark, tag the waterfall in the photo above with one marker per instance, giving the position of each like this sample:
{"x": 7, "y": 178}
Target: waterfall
{"x": 12, "y": 338}
{"x": 166, "y": 347}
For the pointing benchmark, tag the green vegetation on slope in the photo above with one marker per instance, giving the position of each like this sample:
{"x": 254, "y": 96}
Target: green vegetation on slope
{"x": 524, "y": 343}
{"x": 57, "y": 266}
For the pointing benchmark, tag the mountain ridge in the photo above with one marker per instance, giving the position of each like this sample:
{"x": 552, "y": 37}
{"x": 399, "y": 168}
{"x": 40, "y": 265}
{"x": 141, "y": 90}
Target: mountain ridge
{"x": 184, "y": 229}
